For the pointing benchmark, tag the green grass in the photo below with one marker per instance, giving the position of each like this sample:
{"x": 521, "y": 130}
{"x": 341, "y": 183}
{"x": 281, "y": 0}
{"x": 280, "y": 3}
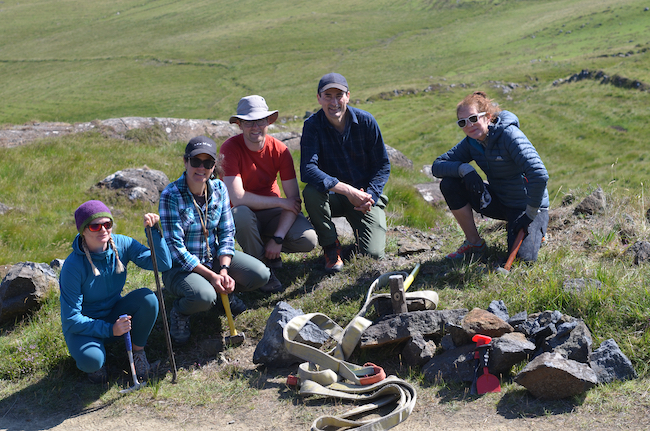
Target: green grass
{"x": 77, "y": 61}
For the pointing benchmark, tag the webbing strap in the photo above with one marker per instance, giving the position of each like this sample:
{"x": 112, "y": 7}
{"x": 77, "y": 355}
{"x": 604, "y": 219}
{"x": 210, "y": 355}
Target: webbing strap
{"x": 348, "y": 371}
{"x": 328, "y": 374}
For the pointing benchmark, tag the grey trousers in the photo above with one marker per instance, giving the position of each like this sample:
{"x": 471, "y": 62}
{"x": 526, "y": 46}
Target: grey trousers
{"x": 255, "y": 228}
{"x": 196, "y": 294}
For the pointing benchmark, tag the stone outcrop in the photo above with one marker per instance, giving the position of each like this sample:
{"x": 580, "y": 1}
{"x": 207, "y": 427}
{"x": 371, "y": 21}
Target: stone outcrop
{"x": 142, "y": 184}
{"x": 23, "y": 287}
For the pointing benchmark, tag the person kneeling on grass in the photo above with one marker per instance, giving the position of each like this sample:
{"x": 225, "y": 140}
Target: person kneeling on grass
{"x": 200, "y": 233}
{"x": 92, "y": 280}
{"x": 516, "y": 189}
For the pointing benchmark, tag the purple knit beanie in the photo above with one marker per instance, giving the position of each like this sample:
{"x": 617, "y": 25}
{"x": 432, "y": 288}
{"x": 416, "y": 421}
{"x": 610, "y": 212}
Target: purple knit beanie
{"x": 89, "y": 211}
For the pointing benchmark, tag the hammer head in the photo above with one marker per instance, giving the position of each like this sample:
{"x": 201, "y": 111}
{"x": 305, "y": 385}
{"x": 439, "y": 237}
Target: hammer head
{"x": 135, "y": 387}
{"x": 234, "y": 340}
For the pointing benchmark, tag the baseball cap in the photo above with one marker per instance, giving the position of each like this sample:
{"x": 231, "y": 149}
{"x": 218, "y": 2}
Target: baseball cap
{"x": 201, "y": 145}
{"x": 333, "y": 80}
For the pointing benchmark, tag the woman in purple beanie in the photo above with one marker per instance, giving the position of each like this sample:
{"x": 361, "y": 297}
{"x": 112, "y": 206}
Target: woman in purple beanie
{"x": 92, "y": 279}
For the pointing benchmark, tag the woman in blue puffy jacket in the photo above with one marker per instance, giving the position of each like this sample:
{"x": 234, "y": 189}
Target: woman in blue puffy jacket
{"x": 92, "y": 279}
{"x": 516, "y": 177}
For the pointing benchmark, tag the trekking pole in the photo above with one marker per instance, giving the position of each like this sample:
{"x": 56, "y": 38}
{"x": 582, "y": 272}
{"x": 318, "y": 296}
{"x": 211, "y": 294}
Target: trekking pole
{"x": 162, "y": 302}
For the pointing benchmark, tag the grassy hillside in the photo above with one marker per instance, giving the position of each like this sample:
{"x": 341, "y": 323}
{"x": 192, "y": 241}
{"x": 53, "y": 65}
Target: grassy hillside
{"x": 408, "y": 63}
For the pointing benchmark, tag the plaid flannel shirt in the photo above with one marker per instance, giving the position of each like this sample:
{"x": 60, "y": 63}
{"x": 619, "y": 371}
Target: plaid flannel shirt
{"x": 182, "y": 225}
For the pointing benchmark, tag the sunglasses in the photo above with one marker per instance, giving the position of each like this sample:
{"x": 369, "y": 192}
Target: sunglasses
{"x": 462, "y": 122}
{"x": 96, "y": 227}
{"x": 195, "y": 162}
{"x": 249, "y": 124}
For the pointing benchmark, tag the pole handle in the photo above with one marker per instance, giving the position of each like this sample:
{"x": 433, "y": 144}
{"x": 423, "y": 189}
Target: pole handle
{"x": 226, "y": 307}
{"x": 127, "y": 337}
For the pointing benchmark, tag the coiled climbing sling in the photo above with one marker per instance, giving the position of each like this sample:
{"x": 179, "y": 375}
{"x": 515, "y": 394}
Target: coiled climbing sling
{"x": 328, "y": 373}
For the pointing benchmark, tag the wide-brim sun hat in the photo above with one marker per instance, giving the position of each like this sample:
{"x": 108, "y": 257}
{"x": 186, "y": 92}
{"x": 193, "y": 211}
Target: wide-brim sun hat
{"x": 251, "y": 108}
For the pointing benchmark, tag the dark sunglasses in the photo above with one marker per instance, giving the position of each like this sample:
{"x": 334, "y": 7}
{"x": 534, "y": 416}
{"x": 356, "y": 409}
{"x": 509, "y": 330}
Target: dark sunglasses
{"x": 462, "y": 122}
{"x": 96, "y": 227}
{"x": 195, "y": 162}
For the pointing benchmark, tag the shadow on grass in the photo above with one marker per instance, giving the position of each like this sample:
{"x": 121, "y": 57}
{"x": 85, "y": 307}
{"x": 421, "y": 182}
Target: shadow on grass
{"x": 63, "y": 393}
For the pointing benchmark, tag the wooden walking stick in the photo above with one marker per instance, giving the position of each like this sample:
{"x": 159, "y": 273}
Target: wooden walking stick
{"x": 162, "y": 302}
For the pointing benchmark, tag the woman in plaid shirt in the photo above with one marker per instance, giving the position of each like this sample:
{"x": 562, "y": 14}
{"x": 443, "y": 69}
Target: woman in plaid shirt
{"x": 200, "y": 233}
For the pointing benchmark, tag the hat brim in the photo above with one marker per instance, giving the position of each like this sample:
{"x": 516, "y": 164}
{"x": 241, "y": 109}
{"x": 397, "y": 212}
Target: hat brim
{"x": 272, "y": 116}
{"x": 334, "y": 85}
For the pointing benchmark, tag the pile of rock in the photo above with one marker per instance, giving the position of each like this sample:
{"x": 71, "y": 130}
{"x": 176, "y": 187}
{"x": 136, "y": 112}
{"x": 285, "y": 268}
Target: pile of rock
{"x": 559, "y": 347}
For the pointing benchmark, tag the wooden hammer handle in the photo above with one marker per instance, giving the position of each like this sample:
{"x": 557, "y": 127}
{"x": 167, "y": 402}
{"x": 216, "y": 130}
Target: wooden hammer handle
{"x": 513, "y": 254}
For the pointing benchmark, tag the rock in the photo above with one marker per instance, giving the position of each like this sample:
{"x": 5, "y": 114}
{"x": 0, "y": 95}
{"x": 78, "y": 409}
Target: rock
{"x": 431, "y": 193}
{"x": 592, "y": 204}
{"x": 271, "y": 351}
{"x": 640, "y": 250}
{"x": 174, "y": 129}
{"x": 408, "y": 246}
{"x": 397, "y": 158}
{"x": 57, "y": 264}
{"x": 397, "y": 328}
{"x": 552, "y": 377}
{"x": 577, "y": 285}
{"x": 610, "y": 363}
{"x": 3, "y": 208}
{"x": 482, "y": 322}
{"x": 137, "y": 184}
{"x": 518, "y": 319}
{"x": 509, "y": 350}
{"x": 418, "y": 351}
{"x": 499, "y": 309}
{"x": 455, "y": 366}
{"x": 23, "y": 287}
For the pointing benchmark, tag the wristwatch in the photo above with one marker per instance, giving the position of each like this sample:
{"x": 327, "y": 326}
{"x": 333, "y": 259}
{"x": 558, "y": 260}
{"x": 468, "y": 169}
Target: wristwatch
{"x": 226, "y": 267}
{"x": 278, "y": 239}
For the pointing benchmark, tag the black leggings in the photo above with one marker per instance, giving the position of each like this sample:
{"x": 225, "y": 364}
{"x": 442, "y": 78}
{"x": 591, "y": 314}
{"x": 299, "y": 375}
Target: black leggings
{"x": 457, "y": 196}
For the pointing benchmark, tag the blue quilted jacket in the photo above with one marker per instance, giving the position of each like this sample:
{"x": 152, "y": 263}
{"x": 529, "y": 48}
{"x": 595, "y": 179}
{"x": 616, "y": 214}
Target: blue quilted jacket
{"x": 513, "y": 168}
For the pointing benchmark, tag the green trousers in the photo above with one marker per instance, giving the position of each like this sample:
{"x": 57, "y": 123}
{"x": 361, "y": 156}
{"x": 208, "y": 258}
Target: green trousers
{"x": 369, "y": 229}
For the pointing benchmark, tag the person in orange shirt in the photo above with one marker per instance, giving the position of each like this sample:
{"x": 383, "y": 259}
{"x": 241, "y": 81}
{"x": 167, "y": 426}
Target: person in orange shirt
{"x": 266, "y": 223}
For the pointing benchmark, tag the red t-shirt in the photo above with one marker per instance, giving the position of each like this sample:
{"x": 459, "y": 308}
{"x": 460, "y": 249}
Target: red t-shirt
{"x": 258, "y": 169}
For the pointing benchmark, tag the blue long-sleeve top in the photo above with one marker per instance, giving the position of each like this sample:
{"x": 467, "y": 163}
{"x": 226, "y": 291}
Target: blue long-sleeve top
{"x": 85, "y": 298}
{"x": 357, "y": 156}
{"x": 511, "y": 163}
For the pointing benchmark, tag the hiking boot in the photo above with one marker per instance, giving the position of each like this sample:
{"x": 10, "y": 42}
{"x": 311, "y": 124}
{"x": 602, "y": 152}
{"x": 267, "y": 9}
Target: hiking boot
{"x": 273, "y": 286}
{"x": 274, "y": 263}
{"x": 179, "y": 326}
{"x": 237, "y": 306}
{"x": 142, "y": 367}
{"x": 333, "y": 260}
{"x": 99, "y": 376}
{"x": 467, "y": 249}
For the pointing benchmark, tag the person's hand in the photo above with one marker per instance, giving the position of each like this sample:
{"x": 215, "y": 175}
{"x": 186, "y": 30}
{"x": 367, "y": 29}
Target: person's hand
{"x": 272, "y": 250}
{"x": 361, "y": 200}
{"x": 521, "y": 222}
{"x": 150, "y": 219}
{"x": 222, "y": 282}
{"x": 474, "y": 182}
{"x": 121, "y": 326}
{"x": 292, "y": 204}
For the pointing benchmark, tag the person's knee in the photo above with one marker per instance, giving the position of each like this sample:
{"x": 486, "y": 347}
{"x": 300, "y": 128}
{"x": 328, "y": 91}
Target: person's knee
{"x": 90, "y": 358}
{"x": 307, "y": 241}
{"x": 244, "y": 217}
